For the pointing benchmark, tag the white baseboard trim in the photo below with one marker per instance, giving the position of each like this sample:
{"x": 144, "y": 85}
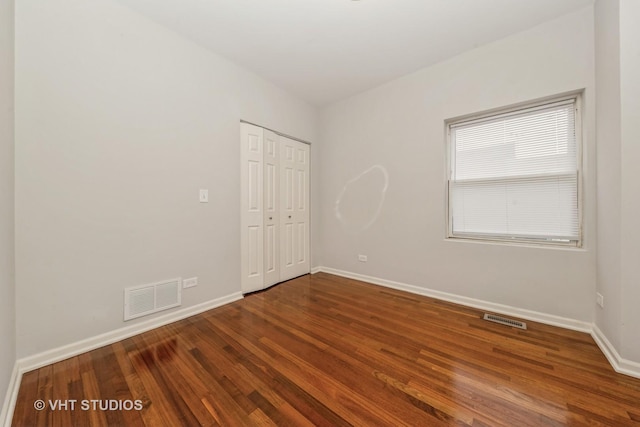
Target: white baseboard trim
{"x": 48, "y": 357}
{"x": 61, "y": 353}
{"x": 10, "y": 398}
{"x": 535, "y": 316}
{"x": 36, "y": 361}
{"x": 620, "y": 365}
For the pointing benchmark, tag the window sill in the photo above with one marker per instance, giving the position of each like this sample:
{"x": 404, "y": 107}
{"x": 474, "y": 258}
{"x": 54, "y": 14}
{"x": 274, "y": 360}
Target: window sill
{"x": 518, "y": 243}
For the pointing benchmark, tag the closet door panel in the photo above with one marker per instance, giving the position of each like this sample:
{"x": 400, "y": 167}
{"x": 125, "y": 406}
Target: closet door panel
{"x": 287, "y": 242}
{"x": 302, "y": 213}
{"x": 271, "y": 209}
{"x": 251, "y": 205}
{"x": 294, "y": 210}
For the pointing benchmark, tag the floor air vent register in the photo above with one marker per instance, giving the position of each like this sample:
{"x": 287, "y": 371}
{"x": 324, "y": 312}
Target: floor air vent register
{"x": 505, "y": 321}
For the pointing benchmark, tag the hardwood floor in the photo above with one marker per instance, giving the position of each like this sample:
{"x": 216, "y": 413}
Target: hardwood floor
{"x": 327, "y": 351}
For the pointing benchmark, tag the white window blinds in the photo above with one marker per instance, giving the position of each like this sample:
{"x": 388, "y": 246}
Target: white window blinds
{"x": 515, "y": 175}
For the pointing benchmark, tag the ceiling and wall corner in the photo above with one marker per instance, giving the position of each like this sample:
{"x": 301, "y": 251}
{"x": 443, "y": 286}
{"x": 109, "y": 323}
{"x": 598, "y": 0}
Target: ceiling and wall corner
{"x": 7, "y": 277}
{"x": 327, "y": 50}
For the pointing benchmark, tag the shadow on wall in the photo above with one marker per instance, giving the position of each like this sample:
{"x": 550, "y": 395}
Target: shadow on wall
{"x": 360, "y": 202}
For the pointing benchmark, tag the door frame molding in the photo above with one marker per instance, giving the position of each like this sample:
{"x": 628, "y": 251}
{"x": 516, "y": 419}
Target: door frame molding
{"x": 276, "y": 132}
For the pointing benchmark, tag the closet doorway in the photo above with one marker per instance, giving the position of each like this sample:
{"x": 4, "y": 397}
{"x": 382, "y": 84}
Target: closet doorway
{"x": 274, "y": 205}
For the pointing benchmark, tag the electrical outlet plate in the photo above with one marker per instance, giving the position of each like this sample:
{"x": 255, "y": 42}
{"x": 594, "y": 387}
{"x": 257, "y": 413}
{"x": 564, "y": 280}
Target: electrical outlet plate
{"x": 362, "y": 258}
{"x": 190, "y": 282}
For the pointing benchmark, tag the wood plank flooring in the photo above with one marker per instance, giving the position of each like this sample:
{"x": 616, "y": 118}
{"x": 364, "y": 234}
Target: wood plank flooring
{"x": 322, "y": 350}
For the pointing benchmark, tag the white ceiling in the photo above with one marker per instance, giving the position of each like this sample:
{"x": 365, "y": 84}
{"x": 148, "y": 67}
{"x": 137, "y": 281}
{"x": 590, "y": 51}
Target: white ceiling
{"x": 326, "y": 50}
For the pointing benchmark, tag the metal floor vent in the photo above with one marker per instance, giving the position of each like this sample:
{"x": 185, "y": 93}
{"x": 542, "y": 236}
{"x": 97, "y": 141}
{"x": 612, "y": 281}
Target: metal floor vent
{"x": 505, "y": 321}
{"x": 147, "y": 299}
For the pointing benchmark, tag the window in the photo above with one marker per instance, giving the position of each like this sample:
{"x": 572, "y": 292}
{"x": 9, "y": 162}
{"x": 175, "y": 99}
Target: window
{"x": 515, "y": 175}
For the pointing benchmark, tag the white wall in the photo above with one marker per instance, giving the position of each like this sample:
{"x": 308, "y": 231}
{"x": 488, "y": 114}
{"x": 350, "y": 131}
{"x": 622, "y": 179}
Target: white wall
{"x": 630, "y": 195}
{"x": 119, "y": 122}
{"x": 607, "y": 54}
{"x": 618, "y": 133}
{"x": 400, "y": 127}
{"x": 7, "y": 296}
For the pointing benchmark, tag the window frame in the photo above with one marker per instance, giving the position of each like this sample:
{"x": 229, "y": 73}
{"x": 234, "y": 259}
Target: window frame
{"x": 576, "y": 97}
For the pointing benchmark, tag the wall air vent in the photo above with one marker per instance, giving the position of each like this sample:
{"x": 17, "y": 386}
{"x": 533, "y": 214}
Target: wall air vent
{"x": 505, "y": 321}
{"x": 147, "y": 299}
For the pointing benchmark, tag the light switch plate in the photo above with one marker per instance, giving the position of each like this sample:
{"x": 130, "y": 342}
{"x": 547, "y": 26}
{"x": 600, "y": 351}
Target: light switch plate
{"x": 204, "y": 196}
{"x": 600, "y": 299}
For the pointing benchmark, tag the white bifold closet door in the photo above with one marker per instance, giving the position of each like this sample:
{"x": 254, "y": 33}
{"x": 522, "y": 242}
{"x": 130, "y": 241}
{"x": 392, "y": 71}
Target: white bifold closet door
{"x": 274, "y": 208}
